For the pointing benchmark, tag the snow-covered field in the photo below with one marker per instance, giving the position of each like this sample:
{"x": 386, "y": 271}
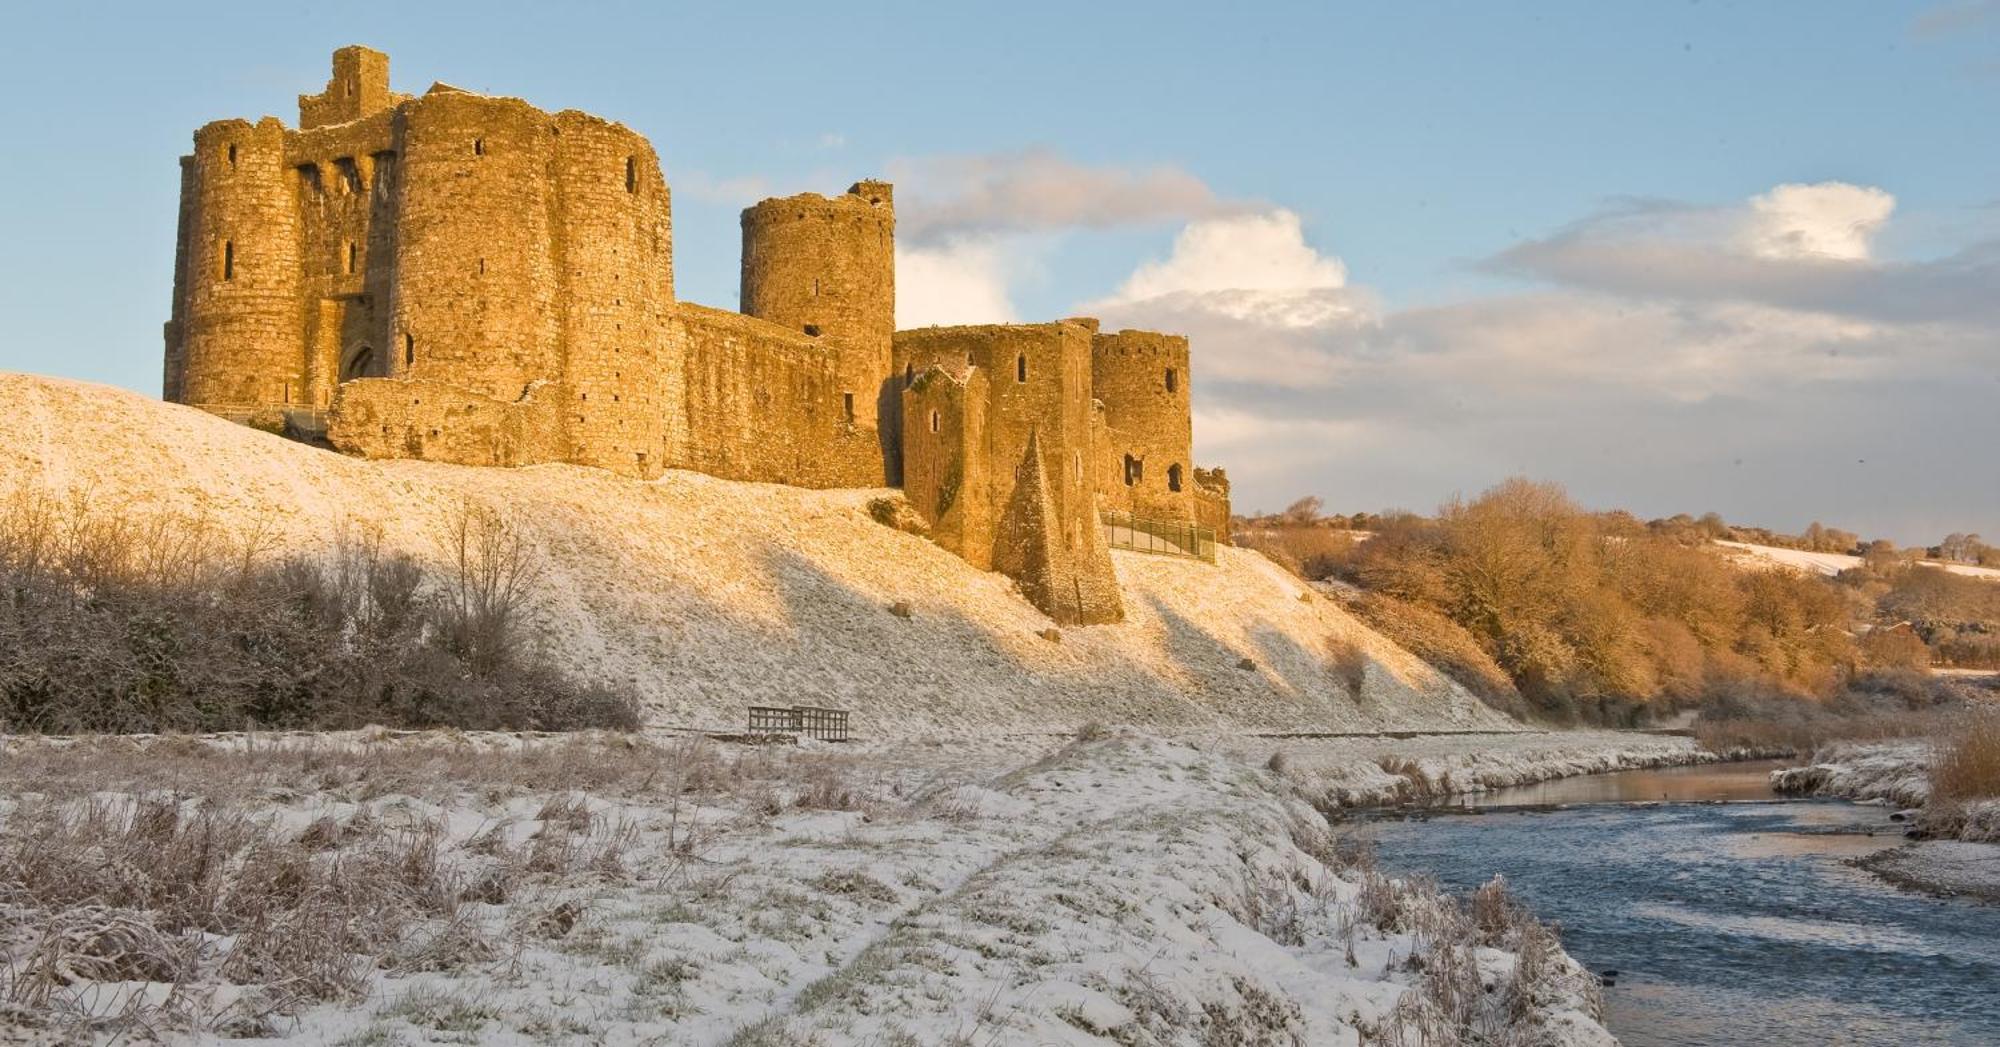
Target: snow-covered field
{"x": 446, "y": 888}
{"x": 1829, "y": 563}
{"x": 705, "y": 595}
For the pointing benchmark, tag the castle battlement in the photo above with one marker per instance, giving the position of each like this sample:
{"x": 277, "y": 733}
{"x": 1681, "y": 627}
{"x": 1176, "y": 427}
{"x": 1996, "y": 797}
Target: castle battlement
{"x": 469, "y": 278}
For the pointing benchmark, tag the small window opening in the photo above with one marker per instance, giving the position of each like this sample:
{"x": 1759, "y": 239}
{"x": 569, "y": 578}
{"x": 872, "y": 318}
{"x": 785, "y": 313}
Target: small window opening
{"x": 409, "y": 349}
{"x": 1173, "y": 380}
{"x": 1174, "y": 477}
{"x": 1021, "y": 368}
{"x": 482, "y": 267}
{"x": 813, "y": 330}
{"x": 479, "y": 147}
{"x": 1135, "y": 470}
{"x": 815, "y": 287}
{"x": 631, "y": 174}
{"x": 934, "y": 421}
{"x": 847, "y": 406}
{"x": 353, "y": 255}
{"x": 1078, "y": 455}
{"x": 229, "y": 259}
{"x": 232, "y": 154}
{"x": 909, "y": 375}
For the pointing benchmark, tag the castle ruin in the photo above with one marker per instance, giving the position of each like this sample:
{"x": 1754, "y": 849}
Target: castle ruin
{"x": 469, "y": 279}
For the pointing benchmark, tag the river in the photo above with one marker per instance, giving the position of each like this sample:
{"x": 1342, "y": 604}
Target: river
{"x": 1730, "y": 916}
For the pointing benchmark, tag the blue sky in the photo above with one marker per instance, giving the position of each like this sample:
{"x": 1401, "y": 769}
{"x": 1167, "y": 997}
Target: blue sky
{"x": 1419, "y": 246}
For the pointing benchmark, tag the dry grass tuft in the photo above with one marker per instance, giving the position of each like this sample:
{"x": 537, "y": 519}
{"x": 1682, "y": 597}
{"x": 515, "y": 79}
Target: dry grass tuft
{"x": 1969, "y": 766}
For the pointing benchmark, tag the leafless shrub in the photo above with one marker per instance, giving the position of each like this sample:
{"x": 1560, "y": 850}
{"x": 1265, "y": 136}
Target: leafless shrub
{"x": 1092, "y": 731}
{"x": 826, "y": 785}
{"x": 1348, "y": 664}
{"x": 135, "y": 621}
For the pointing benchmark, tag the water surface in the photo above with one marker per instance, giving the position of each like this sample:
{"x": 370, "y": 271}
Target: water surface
{"x": 1728, "y": 923}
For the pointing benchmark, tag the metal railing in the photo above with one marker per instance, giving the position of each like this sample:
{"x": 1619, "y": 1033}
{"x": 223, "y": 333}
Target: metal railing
{"x": 1165, "y": 537}
{"x": 827, "y": 725}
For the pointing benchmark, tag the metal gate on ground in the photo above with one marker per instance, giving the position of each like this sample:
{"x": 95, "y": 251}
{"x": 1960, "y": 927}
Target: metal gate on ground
{"x": 810, "y": 721}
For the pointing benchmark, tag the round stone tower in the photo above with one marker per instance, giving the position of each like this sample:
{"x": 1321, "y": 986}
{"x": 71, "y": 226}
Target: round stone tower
{"x": 242, "y": 353}
{"x": 827, "y": 267}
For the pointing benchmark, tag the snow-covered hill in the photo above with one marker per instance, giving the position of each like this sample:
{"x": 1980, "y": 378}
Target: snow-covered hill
{"x": 707, "y": 595}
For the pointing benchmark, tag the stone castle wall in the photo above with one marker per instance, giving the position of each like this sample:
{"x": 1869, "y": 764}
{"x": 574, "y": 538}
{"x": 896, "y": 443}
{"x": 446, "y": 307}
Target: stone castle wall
{"x": 1034, "y": 448}
{"x": 465, "y": 278}
{"x": 826, "y": 268}
{"x": 766, "y": 403}
{"x": 240, "y": 335}
{"x": 1146, "y": 463}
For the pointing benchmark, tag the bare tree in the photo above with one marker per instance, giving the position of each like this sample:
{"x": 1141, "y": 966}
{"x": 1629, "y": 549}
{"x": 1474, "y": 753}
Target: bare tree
{"x": 1304, "y": 511}
{"x": 495, "y": 572}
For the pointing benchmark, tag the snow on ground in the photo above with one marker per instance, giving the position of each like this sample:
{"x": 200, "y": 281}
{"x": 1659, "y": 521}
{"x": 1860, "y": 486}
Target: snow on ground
{"x": 1127, "y": 889}
{"x": 1899, "y": 773}
{"x": 1951, "y": 867}
{"x": 1830, "y": 563}
{"x": 1355, "y": 772}
{"x": 706, "y": 596}
{"x": 1895, "y": 772}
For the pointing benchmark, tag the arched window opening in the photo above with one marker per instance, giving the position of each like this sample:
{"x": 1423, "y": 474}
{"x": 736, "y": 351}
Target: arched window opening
{"x": 1021, "y": 368}
{"x": 631, "y": 174}
{"x": 229, "y": 259}
{"x": 1135, "y": 470}
{"x": 1174, "y": 477}
{"x": 1173, "y": 380}
{"x": 232, "y": 154}
{"x": 309, "y": 181}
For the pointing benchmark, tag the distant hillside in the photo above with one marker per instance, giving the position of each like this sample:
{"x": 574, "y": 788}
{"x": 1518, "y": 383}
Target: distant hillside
{"x": 706, "y": 595}
{"x": 1831, "y": 563}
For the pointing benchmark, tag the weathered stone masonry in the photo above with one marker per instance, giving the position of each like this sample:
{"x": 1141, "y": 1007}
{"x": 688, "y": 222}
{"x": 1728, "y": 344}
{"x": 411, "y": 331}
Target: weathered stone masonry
{"x": 470, "y": 279}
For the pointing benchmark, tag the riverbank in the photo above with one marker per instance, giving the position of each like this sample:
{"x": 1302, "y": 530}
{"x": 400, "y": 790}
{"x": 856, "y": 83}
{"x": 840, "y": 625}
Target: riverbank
{"x": 443, "y": 886}
{"x": 1343, "y": 773}
{"x": 1958, "y": 850}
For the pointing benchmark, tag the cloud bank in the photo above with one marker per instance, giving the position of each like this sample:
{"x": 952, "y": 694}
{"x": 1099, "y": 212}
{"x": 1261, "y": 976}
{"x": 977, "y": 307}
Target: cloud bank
{"x": 1761, "y": 358}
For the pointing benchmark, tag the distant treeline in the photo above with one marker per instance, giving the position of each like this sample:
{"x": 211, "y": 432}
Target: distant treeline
{"x": 1957, "y": 547}
{"x": 1543, "y": 607}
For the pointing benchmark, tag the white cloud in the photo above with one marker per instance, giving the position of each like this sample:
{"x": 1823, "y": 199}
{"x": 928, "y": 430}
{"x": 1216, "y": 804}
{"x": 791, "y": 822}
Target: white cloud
{"x": 1829, "y": 220}
{"x": 1754, "y": 359}
{"x": 962, "y": 282}
{"x": 1249, "y": 252}
{"x": 1251, "y": 293}
{"x": 954, "y": 196}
